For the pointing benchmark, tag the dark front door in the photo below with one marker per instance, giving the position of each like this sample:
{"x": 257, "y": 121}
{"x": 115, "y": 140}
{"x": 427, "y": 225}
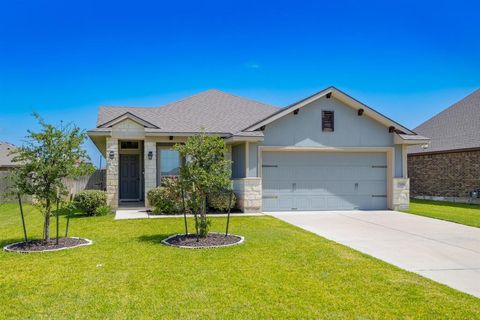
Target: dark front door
{"x": 129, "y": 177}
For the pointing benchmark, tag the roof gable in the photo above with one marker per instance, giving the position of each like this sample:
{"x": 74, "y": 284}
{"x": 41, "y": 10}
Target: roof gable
{"x": 123, "y": 117}
{"x": 331, "y": 92}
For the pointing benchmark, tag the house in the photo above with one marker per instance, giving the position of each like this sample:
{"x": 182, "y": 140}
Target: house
{"x": 449, "y": 167}
{"x": 325, "y": 152}
{"x": 6, "y": 166}
{"x": 6, "y": 163}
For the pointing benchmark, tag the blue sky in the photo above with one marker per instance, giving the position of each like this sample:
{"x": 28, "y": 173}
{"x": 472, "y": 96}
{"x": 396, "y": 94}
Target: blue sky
{"x": 63, "y": 59}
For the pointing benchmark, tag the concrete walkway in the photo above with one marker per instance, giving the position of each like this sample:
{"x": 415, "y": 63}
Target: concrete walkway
{"x": 446, "y": 252}
{"x": 124, "y": 214}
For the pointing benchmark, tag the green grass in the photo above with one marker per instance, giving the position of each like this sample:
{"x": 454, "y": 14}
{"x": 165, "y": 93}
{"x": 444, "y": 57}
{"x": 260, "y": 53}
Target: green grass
{"x": 467, "y": 214}
{"x": 280, "y": 272}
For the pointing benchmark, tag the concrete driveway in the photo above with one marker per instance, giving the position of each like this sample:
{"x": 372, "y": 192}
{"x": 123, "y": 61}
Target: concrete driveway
{"x": 446, "y": 252}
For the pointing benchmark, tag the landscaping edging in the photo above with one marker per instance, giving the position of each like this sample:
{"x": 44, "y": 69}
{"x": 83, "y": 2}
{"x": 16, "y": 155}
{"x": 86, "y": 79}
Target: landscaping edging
{"x": 8, "y": 247}
{"x": 241, "y": 240}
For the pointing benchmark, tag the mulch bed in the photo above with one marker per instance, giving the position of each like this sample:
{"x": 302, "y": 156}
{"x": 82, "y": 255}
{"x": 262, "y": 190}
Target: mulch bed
{"x": 41, "y": 245}
{"x": 213, "y": 240}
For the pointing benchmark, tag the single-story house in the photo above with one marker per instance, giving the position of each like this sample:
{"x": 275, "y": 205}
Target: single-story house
{"x": 325, "y": 152}
{"x": 448, "y": 168}
{"x": 6, "y": 163}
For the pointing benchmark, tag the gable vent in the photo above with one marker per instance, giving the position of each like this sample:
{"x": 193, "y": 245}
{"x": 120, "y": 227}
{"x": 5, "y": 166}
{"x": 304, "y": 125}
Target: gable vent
{"x": 328, "y": 121}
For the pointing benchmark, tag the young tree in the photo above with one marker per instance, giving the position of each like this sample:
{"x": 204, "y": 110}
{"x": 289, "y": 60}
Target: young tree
{"x": 205, "y": 171}
{"x": 45, "y": 160}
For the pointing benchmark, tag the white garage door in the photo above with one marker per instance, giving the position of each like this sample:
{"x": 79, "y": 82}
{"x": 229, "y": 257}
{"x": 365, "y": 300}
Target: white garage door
{"x": 323, "y": 181}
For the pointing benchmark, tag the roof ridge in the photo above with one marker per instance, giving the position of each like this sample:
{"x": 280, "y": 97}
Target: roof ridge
{"x": 191, "y": 97}
{"x": 243, "y": 98}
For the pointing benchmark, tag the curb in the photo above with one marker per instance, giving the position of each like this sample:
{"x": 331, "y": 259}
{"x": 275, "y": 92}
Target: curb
{"x": 165, "y": 242}
{"x": 7, "y": 247}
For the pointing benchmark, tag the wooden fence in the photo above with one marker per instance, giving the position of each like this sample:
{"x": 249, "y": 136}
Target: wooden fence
{"x": 95, "y": 181}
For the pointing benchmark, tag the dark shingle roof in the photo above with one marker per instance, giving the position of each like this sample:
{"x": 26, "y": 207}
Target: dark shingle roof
{"x": 457, "y": 127}
{"x": 213, "y": 110}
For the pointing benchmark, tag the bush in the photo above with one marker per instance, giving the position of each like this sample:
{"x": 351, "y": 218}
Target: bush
{"x": 89, "y": 201}
{"x": 103, "y": 211}
{"x": 220, "y": 201}
{"x": 166, "y": 199}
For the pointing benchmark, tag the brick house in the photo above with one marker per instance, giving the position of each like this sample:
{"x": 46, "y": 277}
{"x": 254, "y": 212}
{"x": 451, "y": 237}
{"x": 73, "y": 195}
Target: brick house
{"x": 449, "y": 168}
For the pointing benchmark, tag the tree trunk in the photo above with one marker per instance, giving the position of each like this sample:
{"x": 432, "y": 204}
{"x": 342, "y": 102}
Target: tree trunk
{"x": 203, "y": 217}
{"x": 46, "y": 225}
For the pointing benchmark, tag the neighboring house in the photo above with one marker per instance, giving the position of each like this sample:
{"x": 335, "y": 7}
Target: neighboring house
{"x": 449, "y": 167}
{"x": 6, "y": 163}
{"x": 325, "y": 152}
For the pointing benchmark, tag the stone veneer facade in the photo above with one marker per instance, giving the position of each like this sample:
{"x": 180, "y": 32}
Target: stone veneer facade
{"x": 249, "y": 194}
{"x": 112, "y": 172}
{"x": 401, "y": 194}
{"x": 150, "y": 176}
{"x": 444, "y": 176}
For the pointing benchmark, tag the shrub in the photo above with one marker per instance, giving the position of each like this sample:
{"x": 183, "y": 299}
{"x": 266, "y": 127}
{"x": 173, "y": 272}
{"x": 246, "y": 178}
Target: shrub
{"x": 89, "y": 200}
{"x": 166, "y": 199}
{"x": 103, "y": 211}
{"x": 220, "y": 201}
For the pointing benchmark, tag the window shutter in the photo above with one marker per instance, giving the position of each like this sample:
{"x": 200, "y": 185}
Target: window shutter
{"x": 327, "y": 121}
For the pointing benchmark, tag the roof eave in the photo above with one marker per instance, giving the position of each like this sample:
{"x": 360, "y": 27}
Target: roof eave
{"x": 243, "y": 139}
{"x": 414, "y": 140}
{"x": 100, "y": 132}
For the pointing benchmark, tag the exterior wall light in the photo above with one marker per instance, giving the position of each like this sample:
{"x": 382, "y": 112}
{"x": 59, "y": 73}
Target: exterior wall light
{"x": 111, "y": 154}
{"x": 150, "y": 155}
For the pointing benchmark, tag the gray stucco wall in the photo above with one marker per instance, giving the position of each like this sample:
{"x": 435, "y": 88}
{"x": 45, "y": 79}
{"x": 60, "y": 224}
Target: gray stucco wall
{"x": 252, "y": 159}
{"x": 238, "y": 158}
{"x": 305, "y": 128}
{"x": 398, "y": 161}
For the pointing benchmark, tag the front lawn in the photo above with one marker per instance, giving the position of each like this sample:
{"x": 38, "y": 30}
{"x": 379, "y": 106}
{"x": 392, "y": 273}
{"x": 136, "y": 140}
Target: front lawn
{"x": 279, "y": 272}
{"x": 468, "y": 214}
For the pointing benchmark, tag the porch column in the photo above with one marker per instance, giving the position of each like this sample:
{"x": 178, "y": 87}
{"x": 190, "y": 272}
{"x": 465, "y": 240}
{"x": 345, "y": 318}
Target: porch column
{"x": 112, "y": 172}
{"x": 150, "y": 170}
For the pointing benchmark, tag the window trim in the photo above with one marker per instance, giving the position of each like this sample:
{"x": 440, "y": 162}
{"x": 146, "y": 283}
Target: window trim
{"x": 331, "y": 127}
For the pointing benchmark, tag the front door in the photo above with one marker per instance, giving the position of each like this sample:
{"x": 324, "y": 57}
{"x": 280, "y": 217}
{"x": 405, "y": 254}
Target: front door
{"x": 129, "y": 177}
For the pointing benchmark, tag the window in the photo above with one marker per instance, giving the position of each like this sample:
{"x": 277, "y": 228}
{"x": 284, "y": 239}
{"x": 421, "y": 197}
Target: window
{"x": 327, "y": 121}
{"x": 169, "y": 162}
{"x": 129, "y": 145}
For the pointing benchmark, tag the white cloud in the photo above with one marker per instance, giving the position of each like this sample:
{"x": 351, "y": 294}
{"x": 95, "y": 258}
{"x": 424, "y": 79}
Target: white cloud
{"x": 252, "y": 65}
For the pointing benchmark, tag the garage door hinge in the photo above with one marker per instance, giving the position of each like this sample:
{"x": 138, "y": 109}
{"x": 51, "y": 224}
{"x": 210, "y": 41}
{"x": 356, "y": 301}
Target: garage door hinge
{"x": 379, "y": 167}
{"x": 269, "y": 166}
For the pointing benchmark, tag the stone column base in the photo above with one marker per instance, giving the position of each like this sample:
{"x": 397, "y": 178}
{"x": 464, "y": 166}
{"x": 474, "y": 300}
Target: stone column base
{"x": 112, "y": 173}
{"x": 249, "y": 194}
{"x": 401, "y": 194}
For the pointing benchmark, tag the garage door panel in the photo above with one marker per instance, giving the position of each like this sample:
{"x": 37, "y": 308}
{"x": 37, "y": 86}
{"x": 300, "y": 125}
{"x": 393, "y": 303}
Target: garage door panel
{"x": 324, "y": 181}
{"x": 328, "y": 158}
{"x": 288, "y": 172}
{"x": 324, "y": 187}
